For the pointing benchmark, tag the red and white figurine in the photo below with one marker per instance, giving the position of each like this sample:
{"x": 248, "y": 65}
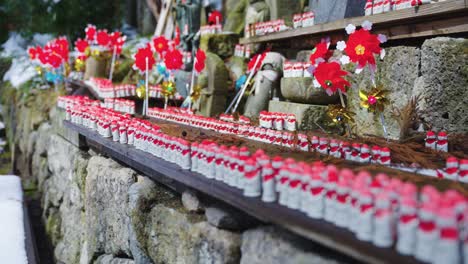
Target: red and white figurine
{"x": 430, "y": 141}
{"x": 407, "y": 226}
{"x": 442, "y": 142}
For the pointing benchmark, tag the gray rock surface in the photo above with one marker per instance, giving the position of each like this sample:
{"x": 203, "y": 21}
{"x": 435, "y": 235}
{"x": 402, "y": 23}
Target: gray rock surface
{"x": 63, "y": 198}
{"x": 175, "y": 237}
{"x": 106, "y": 216}
{"x": 397, "y": 73}
{"x": 302, "y": 90}
{"x": 304, "y": 55}
{"x": 142, "y": 195}
{"x": 280, "y": 9}
{"x": 221, "y": 218}
{"x": 191, "y": 202}
{"x": 443, "y": 84}
{"x": 307, "y": 115}
{"x": 271, "y": 245}
{"x": 109, "y": 259}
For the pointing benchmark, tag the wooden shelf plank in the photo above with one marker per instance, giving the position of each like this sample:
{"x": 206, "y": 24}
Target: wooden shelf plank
{"x": 427, "y": 20}
{"x": 317, "y": 230}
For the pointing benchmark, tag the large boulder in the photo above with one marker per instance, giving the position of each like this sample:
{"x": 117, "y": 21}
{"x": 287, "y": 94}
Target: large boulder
{"x": 442, "y": 86}
{"x": 235, "y": 14}
{"x": 302, "y": 90}
{"x": 220, "y": 44}
{"x": 142, "y": 195}
{"x": 397, "y": 73}
{"x": 177, "y": 237}
{"x": 106, "y": 218}
{"x": 308, "y": 116}
{"x": 63, "y": 197}
{"x": 280, "y": 9}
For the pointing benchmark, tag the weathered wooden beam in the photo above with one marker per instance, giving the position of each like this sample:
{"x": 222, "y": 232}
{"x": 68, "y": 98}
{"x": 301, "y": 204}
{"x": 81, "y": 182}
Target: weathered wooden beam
{"x": 169, "y": 174}
{"x": 424, "y": 21}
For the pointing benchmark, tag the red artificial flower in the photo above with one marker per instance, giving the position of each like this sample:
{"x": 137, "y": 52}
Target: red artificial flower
{"x": 34, "y": 52}
{"x": 81, "y": 45}
{"x": 61, "y": 48}
{"x": 361, "y": 47}
{"x": 320, "y": 52}
{"x": 215, "y": 18}
{"x": 90, "y": 32}
{"x": 43, "y": 57}
{"x": 200, "y": 60}
{"x": 330, "y": 76}
{"x": 160, "y": 44}
{"x": 114, "y": 38}
{"x": 117, "y": 41}
{"x": 252, "y": 61}
{"x": 102, "y": 38}
{"x": 54, "y": 60}
{"x": 173, "y": 60}
{"x": 142, "y": 55}
{"x": 119, "y": 44}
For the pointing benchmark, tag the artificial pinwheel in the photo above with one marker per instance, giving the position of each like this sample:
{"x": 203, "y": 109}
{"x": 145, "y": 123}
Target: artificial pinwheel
{"x": 338, "y": 114}
{"x": 375, "y": 100}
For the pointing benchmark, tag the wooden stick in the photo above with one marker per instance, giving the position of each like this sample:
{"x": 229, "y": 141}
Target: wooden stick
{"x": 145, "y": 105}
{"x": 192, "y": 81}
{"x": 112, "y": 63}
{"x": 246, "y": 84}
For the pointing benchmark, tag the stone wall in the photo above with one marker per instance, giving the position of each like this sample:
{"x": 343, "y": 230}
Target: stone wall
{"x": 98, "y": 211}
{"x": 435, "y": 73}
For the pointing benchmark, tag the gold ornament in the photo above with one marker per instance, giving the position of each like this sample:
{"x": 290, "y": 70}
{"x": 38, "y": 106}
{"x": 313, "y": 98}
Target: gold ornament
{"x": 79, "y": 65}
{"x": 141, "y": 91}
{"x": 338, "y": 114}
{"x": 196, "y": 93}
{"x": 375, "y": 100}
{"x": 39, "y": 70}
{"x": 95, "y": 53}
{"x": 168, "y": 88}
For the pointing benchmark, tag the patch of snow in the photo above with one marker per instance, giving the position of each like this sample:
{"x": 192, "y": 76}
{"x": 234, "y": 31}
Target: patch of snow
{"x": 12, "y": 244}
{"x": 21, "y": 71}
{"x": 10, "y": 188}
{"x": 12, "y": 240}
{"x": 14, "y": 46}
{"x": 134, "y": 44}
{"x": 41, "y": 39}
{"x": 129, "y": 31}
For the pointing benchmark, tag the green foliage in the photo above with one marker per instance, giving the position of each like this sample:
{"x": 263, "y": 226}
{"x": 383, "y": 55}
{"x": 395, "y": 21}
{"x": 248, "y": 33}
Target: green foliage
{"x": 66, "y": 17}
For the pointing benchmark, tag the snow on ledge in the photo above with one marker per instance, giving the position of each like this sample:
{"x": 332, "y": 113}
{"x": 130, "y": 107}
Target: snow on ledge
{"x": 12, "y": 238}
